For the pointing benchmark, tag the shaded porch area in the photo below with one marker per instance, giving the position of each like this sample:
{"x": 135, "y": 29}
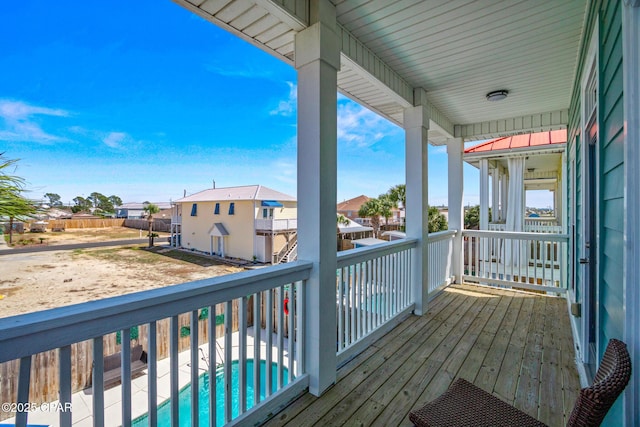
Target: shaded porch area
{"x": 516, "y": 345}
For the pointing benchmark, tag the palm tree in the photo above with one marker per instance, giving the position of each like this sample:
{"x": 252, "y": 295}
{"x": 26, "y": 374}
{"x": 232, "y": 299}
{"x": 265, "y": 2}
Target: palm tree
{"x": 12, "y": 204}
{"x": 151, "y": 209}
{"x": 398, "y": 194}
{"x": 372, "y": 209}
{"x": 386, "y": 207}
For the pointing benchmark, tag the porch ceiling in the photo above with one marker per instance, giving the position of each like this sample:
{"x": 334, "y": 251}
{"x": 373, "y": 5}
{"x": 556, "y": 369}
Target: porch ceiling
{"x": 457, "y": 50}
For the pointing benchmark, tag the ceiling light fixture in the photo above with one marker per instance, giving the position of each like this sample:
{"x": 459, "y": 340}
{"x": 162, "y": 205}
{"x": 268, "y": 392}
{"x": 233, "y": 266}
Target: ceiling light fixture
{"x": 497, "y": 95}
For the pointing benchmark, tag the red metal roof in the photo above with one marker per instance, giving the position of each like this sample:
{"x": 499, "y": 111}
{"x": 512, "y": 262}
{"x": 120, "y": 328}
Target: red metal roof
{"x": 520, "y": 141}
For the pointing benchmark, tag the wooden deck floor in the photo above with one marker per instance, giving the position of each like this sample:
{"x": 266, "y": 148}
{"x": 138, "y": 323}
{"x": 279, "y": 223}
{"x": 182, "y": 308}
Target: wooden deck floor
{"x": 515, "y": 345}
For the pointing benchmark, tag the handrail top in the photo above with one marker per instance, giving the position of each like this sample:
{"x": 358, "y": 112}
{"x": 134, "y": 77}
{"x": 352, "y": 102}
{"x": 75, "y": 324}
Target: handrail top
{"x": 440, "y": 235}
{"x": 358, "y": 254}
{"x": 150, "y": 300}
{"x": 549, "y": 237}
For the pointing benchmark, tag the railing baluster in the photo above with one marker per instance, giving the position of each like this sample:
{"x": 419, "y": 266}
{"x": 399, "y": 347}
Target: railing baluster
{"x": 371, "y": 293}
{"x": 23, "y": 390}
{"x": 340, "y": 309}
{"x": 257, "y": 343}
{"x": 352, "y": 290}
{"x": 280, "y": 335}
{"x": 386, "y": 288}
{"x": 97, "y": 382}
{"x": 152, "y": 373}
{"x": 212, "y": 365}
{"x": 64, "y": 354}
{"x": 242, "y": 364}
{"x": 269, "y": 342}
{"x": 228, "y": 324}
{"x": 173, "y": 370}
{"x": 292, "y": 332}
{"x": 195, "y": 387}
{"x": 300, "y": 316}
{"x": 125, "y": 376}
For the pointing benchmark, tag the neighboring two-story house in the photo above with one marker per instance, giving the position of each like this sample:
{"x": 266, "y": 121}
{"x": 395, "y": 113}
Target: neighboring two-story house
{"x": 250, "y": 222}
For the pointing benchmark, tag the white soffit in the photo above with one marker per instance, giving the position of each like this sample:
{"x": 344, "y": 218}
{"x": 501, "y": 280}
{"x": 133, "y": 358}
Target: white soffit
{"x": 457, "y": 50}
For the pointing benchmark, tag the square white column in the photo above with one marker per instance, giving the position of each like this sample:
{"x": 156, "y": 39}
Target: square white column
{"x": 416, "y": 124}
{"x": 317, "y": 62}
{"x": 455, "y": 149}
{"x": 484, "y": 194}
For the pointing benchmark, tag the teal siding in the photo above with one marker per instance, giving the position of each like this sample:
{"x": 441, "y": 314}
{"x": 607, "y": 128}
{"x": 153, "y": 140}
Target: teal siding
{"x": 607, "y": 15}
{"x": 611, "y": 197}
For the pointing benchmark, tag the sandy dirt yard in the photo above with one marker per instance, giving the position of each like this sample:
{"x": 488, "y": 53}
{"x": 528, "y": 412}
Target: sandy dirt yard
{"x": 40, "y": 280}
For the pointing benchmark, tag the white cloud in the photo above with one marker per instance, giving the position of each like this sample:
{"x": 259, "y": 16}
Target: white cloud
{"x": 20, "y": 122}
{"x": 287, "y": 107}
{"x": 438, "y": 149}
{"x": 115, "y": 139}
{"x": 359, "y": 127}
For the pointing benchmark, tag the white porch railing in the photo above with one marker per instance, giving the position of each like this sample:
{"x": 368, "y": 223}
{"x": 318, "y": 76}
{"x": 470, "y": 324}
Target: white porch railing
{"x": 535, "y": 261}
{"x": 440, "y": 258}
{"x": 531, "y": 227}
{"x": 277, "y": 224}
{"x": 281, "y": 288}
{"x": 373, "y": 293}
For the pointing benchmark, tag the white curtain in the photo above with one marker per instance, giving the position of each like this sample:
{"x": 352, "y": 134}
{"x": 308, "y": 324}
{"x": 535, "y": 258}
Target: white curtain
{"x": 515, "y": 209}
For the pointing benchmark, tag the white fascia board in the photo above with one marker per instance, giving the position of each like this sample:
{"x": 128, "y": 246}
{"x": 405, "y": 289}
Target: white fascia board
{"x": 540, "y": 122}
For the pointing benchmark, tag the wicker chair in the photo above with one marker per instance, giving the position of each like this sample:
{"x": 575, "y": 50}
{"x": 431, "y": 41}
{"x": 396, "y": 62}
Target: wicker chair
{"x": 464, "y": 404}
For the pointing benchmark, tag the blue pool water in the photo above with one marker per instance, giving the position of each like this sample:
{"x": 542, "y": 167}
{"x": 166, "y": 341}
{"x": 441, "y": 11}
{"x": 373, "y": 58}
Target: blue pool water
{"x": 164, "y": 409}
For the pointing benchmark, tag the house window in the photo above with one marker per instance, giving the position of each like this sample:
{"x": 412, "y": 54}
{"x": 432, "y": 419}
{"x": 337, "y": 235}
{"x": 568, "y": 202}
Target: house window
{"x": 194, "y": 209}
{"x": 216, "y": 211}
{"x": 232, "y": 208}
{"x": 267, "y": 213}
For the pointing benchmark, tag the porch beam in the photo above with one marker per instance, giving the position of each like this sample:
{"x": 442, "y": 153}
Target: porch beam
{"x": 551, "y": 120}
{"x": 455, "y": 149}
{"x": 317, "y": 63}
{"x": 362, "y": 60}
{"x": 416, "y": 125}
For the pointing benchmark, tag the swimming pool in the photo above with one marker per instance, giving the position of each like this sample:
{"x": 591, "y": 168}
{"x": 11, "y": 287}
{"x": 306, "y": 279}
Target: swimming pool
{"x": 164, "y": 409}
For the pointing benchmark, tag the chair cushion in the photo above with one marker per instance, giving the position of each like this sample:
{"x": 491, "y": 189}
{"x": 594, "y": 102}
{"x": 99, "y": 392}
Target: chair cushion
{"x": 464, "y": 404}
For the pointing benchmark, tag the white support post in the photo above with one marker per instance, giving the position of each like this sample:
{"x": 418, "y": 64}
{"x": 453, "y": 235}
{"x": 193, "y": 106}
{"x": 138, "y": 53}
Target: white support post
{"x": 416, "y": 124}
{"x": 317, "y": 61}
{"x": 505, "y": 194}
{"x": 484, "y": 194}
{"x": 495, "y": 193}
{"x": 631, "y": 85}
{"x": 455, "y": 149}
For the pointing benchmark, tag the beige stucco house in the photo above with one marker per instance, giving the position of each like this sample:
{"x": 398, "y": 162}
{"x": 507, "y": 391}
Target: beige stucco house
{"x": 250, "y": 222}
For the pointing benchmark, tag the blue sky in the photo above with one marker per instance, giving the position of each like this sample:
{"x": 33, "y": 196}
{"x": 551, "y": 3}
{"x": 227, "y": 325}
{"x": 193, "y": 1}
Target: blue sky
{"x": 145, "y": 100}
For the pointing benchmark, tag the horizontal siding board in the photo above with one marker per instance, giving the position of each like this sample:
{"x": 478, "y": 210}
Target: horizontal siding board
{"x": 613, "y": 70}
{"x": 613, "y": 188}
{"x": 613, "y": 246}
{"x": 614, "y": 122}
{"x": 611, "y": 274}
{"x": 612, "y": 159}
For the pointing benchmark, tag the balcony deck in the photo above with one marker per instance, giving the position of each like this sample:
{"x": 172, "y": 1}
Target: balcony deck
{"x": 516, "y": 345}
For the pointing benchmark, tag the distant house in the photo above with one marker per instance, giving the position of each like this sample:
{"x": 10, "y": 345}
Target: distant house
{"x": 136, "y": 210}
{"x": 349, "y": 208}
{"x": 237, "y": 222}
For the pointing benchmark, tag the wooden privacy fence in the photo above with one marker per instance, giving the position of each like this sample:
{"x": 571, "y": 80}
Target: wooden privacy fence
{"x": 85, "y": 223}
{"x": 159, "y": 224}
